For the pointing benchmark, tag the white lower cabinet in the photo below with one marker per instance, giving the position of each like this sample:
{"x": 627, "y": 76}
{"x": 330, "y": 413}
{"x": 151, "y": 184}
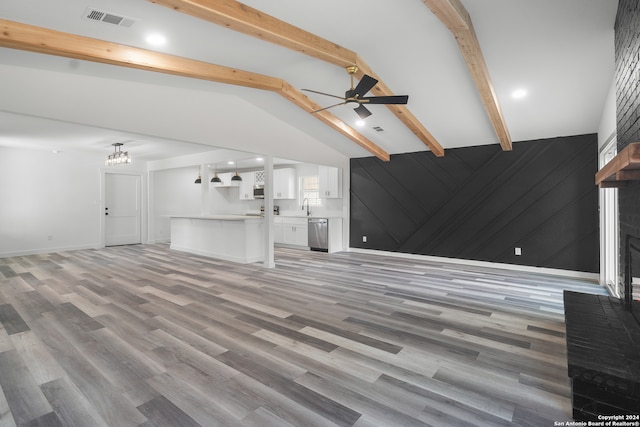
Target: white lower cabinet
{"x": 291, "y": 231}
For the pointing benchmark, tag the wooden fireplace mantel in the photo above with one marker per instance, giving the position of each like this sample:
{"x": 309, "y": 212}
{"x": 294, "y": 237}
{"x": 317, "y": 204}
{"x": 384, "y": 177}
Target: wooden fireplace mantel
{"x": 622, "y": 168}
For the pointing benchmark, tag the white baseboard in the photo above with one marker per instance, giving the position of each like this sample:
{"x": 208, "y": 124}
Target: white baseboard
{"x": 48, "y": 250}
{"x": 592, "y": 277}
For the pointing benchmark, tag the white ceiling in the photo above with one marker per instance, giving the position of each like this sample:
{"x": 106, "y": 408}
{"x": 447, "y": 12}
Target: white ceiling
{"x": 560, "y": 51}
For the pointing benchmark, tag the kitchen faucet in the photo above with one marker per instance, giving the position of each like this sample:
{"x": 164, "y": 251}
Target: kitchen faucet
{"x": 306, "y": 200}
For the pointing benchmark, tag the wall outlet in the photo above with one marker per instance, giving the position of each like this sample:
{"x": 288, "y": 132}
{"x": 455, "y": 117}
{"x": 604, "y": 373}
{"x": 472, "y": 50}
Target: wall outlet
{"x": 364, "y": 239}
{"x": 518, "y": 251}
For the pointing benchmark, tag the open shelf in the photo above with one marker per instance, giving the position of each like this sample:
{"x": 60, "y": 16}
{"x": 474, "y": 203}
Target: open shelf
{"x": 622, "y": 168}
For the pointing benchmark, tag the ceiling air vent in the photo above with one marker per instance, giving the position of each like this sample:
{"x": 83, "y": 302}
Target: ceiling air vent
{"x": 110, "y": 18}
{"x": 378, "y": 129}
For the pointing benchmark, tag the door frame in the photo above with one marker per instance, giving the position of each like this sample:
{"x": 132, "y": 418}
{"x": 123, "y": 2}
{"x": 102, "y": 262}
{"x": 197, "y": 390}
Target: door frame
{"x": 608, "y": 212}
{"x": 143, "y": 201}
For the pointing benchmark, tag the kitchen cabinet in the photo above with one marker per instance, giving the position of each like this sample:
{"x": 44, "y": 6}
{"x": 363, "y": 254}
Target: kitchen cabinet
{"x": 233, "y": 238}
{"x": 291, "y": 231}
{"x": 278, "y": 230}
{"x": 246, "y": 185}
{"x": 226, "y": 181}
{"x": 284, "y": 183}
{"x": 330, "y": 182}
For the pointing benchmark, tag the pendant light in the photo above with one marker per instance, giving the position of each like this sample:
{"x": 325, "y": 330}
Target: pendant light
{"x": 199, "y": 178}
{"x": 236, "y": 177}
{"x": 216, "y": 179}
{"x": 118, "y": 157}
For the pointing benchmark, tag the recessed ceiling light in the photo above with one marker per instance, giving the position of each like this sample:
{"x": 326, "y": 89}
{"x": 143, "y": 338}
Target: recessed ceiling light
{"x": 259, "y": 159}
{"x": 156, "y": 39}
{"x": 230, "y": 162}
{"x": 360, "y": 123}
{"x": 519, "y": 93}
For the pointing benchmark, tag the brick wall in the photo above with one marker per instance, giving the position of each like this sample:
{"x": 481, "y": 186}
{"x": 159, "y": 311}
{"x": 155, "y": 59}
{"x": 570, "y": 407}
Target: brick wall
{"x": 627, "y": 53}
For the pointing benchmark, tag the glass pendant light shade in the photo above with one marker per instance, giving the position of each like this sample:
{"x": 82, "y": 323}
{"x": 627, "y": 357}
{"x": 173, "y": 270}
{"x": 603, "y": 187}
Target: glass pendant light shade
{"x": 198, "y": 180}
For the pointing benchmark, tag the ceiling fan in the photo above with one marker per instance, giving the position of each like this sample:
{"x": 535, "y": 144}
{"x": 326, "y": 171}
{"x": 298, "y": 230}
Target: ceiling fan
{"x": 356, "y": 95}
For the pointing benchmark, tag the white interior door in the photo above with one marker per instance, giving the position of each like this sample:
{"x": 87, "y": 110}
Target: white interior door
{"x": 609, "y": 228}
{"x": 122, "y": 209}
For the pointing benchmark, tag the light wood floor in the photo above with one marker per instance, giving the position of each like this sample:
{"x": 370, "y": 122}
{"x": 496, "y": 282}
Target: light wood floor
{"x": 142, "y": 335}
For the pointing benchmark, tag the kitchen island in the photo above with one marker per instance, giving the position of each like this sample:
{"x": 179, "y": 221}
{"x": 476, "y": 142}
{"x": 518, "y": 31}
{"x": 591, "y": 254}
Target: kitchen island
{"x": 235, "y": 238}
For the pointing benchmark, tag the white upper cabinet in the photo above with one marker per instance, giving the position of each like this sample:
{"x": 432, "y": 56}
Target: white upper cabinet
{"x": 225, "y": 177}
{"x": 246, "y": 185}
{"x": 284, "y": 183}
{"x": 330, "y": 182}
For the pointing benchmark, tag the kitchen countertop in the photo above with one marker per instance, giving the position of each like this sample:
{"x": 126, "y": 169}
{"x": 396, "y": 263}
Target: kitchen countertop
{"x": 310, "y": 216}
{"x": 220, "y": 217}
{"x": 240, "y": 217}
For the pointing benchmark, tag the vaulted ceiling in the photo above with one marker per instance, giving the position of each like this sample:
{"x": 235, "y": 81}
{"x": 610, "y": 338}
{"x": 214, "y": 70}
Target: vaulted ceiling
{"x": 230, "y": 75}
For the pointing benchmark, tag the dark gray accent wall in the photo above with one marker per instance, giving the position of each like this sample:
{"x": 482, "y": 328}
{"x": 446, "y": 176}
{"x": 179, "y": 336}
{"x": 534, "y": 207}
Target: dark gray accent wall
{"x": 479, "y": 203}
{"x": 627, "y": 49}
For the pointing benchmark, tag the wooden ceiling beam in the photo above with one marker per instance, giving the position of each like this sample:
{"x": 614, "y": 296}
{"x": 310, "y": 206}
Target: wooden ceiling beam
{"x": 453, "y": 14}
{"x": 20, "y": 36}
{"x": 247, "y": 20}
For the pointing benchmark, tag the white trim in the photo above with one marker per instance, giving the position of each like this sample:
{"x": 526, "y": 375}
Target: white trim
{"x": 592, "y": 277}
{"x": 49, "y": 250}
{"x": 612, "y": 194}
{"x": 613, "y": 139}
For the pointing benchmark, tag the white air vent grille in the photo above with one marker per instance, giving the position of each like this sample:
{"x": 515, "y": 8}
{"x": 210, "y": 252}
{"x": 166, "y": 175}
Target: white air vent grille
{"x": 110, "y": 18}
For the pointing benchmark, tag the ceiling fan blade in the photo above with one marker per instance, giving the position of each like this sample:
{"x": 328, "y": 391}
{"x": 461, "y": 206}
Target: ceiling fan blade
{"x": 330, "y": 106}
{"x": 362, "y": 111}
{"x": 365, "y": 85}
{"x": 393, "y": 99}
{"x": 322, "y": 93}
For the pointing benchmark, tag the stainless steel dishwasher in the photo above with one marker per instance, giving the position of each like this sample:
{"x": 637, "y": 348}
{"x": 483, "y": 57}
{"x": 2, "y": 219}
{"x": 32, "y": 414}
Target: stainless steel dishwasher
{"x": 319, "y": 234}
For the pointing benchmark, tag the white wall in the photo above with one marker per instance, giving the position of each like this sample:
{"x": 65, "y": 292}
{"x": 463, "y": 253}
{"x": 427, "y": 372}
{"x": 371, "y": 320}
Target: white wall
{"x": 607, "y": 127}
{"x": 50, "y": 202}
{"x": 172, "y": 193}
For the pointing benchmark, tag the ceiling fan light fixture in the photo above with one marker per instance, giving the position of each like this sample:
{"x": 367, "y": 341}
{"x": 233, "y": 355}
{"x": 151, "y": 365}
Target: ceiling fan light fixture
{"x": 355, "y": 95}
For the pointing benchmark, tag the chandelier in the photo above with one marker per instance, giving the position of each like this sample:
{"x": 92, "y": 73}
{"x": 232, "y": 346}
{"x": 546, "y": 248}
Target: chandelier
{"x": 118, "y": 157}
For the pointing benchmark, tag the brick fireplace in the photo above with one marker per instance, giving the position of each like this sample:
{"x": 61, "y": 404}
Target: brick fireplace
{"x": 603, "y": 355}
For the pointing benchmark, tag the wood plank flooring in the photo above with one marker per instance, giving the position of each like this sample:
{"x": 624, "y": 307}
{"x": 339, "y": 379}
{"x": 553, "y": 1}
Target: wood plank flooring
{"x": 145, "y": 336}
